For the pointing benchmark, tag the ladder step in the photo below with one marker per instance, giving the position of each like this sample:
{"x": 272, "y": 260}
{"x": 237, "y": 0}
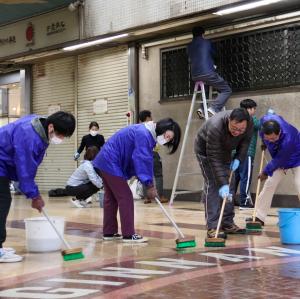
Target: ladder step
{"x": 190, "y": 173}
{"x": 186, "y": 192}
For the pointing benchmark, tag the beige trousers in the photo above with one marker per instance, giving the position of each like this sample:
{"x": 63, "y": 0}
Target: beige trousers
{"x": 269, "y": 188}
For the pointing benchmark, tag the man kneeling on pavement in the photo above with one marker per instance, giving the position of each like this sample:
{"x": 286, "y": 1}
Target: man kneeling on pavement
{"x": 283, "y": 143}
{"x": 215, "y": 141}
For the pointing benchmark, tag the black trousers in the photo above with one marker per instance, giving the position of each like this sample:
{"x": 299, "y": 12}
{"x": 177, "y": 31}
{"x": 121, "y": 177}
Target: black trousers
{"x": 83, "y": 191}
{"x": 5, "y": 202}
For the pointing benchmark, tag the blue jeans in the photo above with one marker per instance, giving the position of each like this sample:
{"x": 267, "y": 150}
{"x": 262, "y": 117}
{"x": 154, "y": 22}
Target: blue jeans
{"x": 217, "y": 82}
{"x": 243, "y": 176}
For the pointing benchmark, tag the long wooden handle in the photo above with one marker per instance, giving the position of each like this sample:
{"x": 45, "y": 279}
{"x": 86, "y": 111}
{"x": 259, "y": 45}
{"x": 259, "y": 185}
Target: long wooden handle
{"x": 222, "y": 209}
{"x": 258, "y": 185}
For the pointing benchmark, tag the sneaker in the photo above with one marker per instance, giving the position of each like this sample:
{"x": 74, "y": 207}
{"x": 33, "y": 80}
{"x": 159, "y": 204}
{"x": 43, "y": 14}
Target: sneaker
{"x": 76, "y": 203}
{"x": 8, "y": 257}
{"x": 249, "y": 219}
{"x": 233, "y": 229}
{"x": 85, "y": 204}
{"x": 89, "y": 199}
{"x": 134, "y": 239}
{"x": 246, "y": 206}
{"x": 147, "y": 200}
{"x": 9, "y": 250}
{"x": 163, "y": 199}
{"x": 200, "y": 113}
{"x": 211, "y": 233}
{"x": 112, "y": 237}
{"x": 211, "y": 112}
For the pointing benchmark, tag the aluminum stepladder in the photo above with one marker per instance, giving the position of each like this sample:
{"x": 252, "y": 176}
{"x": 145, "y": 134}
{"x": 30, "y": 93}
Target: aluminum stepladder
{"x": 188, "y": 124}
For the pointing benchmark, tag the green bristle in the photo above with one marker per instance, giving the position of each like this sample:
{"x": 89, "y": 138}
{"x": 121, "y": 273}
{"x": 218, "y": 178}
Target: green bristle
{"x": 251, "y": 225}
{"x": 73, "y": 256}
{"x": 186, "y": 244}
{"x": 214, "y": 244}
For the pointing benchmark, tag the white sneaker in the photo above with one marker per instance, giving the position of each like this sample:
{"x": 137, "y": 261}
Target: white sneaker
{"x": 9, "y": 250}
{"x": 135, "y": 239}
{"x": 89, "y": 199}
{"x": 8, "y": 257}
{"x": 76, "y": 203}
{"x": 211, "y": 111}
{"x": 112, "y": 237}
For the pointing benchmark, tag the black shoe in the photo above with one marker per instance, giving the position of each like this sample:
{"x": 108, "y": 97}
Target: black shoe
{"x": 249, "y": 219}
{"x": 233, "y": 229}
{"x": 211, "y": 233}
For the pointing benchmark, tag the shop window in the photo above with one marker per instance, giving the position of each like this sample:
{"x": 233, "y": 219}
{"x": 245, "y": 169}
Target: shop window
{"x": 251, "y": 61}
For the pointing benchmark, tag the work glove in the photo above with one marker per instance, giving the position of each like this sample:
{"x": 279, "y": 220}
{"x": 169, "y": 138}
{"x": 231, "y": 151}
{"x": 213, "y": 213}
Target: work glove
{"x": 76, "y": 156}
{"x": 234, "y": 165}
{"x": 262, "y": 176}
{"x": 37, "y": 203}
{"x": 224, "y": 191}
{"x": 151, "y": 192}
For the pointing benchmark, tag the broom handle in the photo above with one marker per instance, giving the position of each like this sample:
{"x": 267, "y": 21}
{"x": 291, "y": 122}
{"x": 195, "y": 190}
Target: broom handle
{"x": 56, "y": 230}
{"x": 169, "y": 217}
{"x": 258, "y": 185}
{"x": 222, "y": 209}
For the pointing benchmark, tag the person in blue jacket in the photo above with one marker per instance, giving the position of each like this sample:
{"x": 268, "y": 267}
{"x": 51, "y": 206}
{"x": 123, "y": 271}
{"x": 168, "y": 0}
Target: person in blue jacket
{"x": 201, "y": 53}
{"x": 283, "y": 143}
{"x": 23, "y": 144}
{"x": 128, "y": 153}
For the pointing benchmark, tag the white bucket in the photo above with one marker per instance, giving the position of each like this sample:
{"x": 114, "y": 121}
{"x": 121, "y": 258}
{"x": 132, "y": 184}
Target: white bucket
{"x": 40, "y": 235}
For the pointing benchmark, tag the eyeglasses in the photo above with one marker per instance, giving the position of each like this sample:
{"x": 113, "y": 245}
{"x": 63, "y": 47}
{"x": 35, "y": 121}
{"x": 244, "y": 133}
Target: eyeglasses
{"x": 235, "y": 129}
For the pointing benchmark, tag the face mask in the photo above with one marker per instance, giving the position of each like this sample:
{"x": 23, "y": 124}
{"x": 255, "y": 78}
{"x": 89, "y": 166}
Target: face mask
{"x": 55, "y": 140}
{"x": 161, "y": 140}
{"x": 93, "y": 133}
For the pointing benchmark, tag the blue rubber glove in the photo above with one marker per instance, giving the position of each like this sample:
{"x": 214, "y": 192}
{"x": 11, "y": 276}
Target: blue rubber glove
{"x": 76, "y": 156}
{"x": 234, "y": 164}
{"x": 224, "y": 191}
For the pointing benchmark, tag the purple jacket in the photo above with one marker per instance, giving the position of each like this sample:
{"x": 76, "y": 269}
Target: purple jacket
{"x": 128, "y": 153}
{"x": 285, "y": 152}
{"x": 23, "y": 144}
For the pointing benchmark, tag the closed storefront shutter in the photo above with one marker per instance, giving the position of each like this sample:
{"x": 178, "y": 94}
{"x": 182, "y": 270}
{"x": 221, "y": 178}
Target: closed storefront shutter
{"x": 54, "y": 88}
{"x": 103, "y": 78}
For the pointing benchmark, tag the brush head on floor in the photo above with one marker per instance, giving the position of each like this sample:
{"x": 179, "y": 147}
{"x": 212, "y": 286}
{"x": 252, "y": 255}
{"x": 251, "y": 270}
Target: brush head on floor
{"x": 253, "y": 228}
{"x": 214, "y": 242}
{"x": 185, "y": 243}
{"x": 72, "y": 254}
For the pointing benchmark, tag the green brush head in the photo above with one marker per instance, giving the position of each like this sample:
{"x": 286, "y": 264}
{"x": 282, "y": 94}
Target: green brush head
{"x": 186, "y": 244}
{"x": 73, "y": 256}
{"x": 253, "y": 226}
{"x": 254, "y": 231}
{"x": 214, "y": 244}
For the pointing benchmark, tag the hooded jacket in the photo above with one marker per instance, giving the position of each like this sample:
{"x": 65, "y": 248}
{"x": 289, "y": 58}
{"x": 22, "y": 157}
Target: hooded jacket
{"x": 23, "y": 144}
{"x": 215, "y": 142}
{"x": 285, "y": 152}
{"x": 128, "y": 153}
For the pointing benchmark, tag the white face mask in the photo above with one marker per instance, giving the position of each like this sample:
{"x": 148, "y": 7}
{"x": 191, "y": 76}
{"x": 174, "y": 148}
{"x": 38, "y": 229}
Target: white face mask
{"x": 161, "y": 140}
{"x": 93, "y": 133}
{"x": 56, "y": 140}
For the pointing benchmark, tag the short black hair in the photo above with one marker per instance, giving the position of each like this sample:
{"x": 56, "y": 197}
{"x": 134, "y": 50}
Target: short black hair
{"x": 64, "y": 123}
{"x": 239, "y": 115}
{"x": 169, "y": 124}
{"x": 198, "y": 31}
{"x": 144, "y": 114}
{"x": 91, "y": 153}
{"x": 248, "y": 104}
{"x": 93, "y": 124}
{"x": 270, "y": 126}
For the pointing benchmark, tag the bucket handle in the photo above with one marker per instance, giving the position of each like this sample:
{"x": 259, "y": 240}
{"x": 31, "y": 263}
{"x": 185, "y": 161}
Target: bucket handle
{"x": 287, "y": 221}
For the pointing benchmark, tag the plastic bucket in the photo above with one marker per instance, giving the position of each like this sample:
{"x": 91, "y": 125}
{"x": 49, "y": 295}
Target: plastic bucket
{"x": 289, "y": 226}
{"x": 40, "y": 236}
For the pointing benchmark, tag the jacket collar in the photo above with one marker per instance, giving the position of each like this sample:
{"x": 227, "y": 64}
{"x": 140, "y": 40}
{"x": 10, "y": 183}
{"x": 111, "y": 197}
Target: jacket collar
{"x": 38, "y": 127}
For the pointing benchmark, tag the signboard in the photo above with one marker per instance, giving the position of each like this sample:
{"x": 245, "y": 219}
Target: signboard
{"x": 39, "y": 32}
{"x": 100, "y": 106}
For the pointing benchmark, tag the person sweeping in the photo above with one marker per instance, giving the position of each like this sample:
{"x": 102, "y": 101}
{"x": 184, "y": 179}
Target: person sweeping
{"x": 23, "y": 144}
{"x": 126, "y": 154}
{"x": 215, "y": 141}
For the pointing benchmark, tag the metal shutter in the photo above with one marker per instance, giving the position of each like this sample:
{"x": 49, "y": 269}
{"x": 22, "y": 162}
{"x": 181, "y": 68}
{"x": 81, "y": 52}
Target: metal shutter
{"x": 53, "y": 83}
{"x": 103, "y": 74}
